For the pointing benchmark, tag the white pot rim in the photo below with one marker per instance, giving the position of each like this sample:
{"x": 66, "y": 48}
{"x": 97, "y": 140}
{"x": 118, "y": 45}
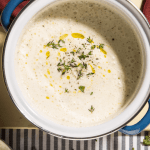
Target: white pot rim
{"x": 50, "y": 127}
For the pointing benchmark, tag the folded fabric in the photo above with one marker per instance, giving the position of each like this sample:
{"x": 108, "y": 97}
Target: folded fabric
{"x": 146, "y": 10}
{"x": 3, "y": 3}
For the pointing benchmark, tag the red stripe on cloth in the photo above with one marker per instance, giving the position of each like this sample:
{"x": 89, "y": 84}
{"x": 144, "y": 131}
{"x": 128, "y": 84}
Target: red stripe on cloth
{"x": 3, "y": 4}
{"x": 146, "y": 10}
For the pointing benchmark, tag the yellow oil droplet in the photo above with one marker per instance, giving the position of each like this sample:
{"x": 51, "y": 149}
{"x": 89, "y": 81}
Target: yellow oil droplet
{"x": 74, "y": 91}
{"x": 34, "y": 33}
{"x": 51, "y": 84}
{"x": 84, "y": 32}
{"x": 50, "y": 76}
{"x": 104, "y": 70}
{"x": 74, "y": 50}
{"x": 93, "y": 70}
{"x": 41, "y": 51}
{"x": 46, "y": 63}
{"x": 52, "y": 37}
{"x": 77, "y": 35}
{"x": 103, "y": 51}
{"x": 47, "y": 97}
{"x": 63, "y": 49}
{"x": 99, "y": 67}
{"x": 48, "y": 71}
{"x": 52, "y": 101}
{"x": 103, "y": 75}
{"x": 47, "y": 54}
{"x": 52, "y": 22}
{"x": 44, "y": 46}
{"x": 60, "y": 86}
{"x": 27, "y": 55}
{"x": 105, "y": 56}
{"x": 106, "y": 62}
{"x": 58, "y": 54}
{"x": 36, "y": 59}
{"x": 25, "y": 62}
{"x": 45, "y": 75}
{"x": 68, "y": 77}
{"x": 63, "y": 36}
{"x": 109, "y": 71}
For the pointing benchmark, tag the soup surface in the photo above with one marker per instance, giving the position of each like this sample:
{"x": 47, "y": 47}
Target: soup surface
{"x": 78, "y": 63}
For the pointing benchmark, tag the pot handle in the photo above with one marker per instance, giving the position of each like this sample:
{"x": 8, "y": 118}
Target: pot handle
{"x": 141, "y": 125}
{"x": 8, "y": 10}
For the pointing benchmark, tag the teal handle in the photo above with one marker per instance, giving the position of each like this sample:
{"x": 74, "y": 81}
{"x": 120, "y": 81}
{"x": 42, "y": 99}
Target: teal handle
{"x": 140, "y": 126}
{"x": 8, "y": 10}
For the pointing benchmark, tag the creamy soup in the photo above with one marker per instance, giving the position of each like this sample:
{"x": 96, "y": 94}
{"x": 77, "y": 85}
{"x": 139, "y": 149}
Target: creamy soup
{"x": 78, "y": 63}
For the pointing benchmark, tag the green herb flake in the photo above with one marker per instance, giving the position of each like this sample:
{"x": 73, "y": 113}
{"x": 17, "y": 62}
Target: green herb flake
{"x": 91, "y": 109}
{"x": 72, "y": 53}
{"x": 146, "y": 141}
{"x": 66, "y": 91}
{"x": 83, "y": 45}
{"x": 59, "y": 69}
{"x": 89, "y": 40}
{"x": 101, "y": 46}
{"x": 82, "y": 56}
{"x": 78, "y": 51}
{"x": 79, "y": 75}
{"x": 93, "y": 46}
{"x": 90, "y": 53}
{"x": 90, "y": 73}
{"x": 61, "y": 41}
{"x": 91, "y": 93}
{"x": 72, "y": 61}
{"x": 132, "y": 148}
{"x": 82, "y": 88}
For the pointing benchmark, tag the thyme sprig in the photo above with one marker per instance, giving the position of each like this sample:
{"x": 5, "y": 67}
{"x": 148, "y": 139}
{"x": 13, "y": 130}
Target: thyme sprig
{"x": 91, "y": 109}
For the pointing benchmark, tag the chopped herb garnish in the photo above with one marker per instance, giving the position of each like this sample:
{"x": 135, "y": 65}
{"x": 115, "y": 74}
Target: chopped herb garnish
{"x": 146, "y": 141}
{"x": 61, "y": 41}
{"x": 59, "y": 64}
{"x": 59, "y": 69}
{"x": 72, "y": 53}
{"x": 101, "y": 46}
{"x": 82, "y": 88}
{"x": 54, "y": 46}
{"x": 93, "y": 46}
{"x": 90, "y": 73}
{"x": 90, "y": 53}
{"x": 89, "y": 40}
{"x": 81, "y": 65}
{"x": 72, "y": 61}
{"x": 60, "y": 60}
{"x": 91, "y": 109}
{"x": 91, "y": 93}
{"x": 82, "y": 56}
{"x": 85, "y": 65}
{"x": 78, "y": 51}
{"x": 132, "y": 148}
{"x": 83, "y": 45}
{"x": 79, "y": 75}
{"x": 66, "y": 91}
{"x": 96, "y": 140}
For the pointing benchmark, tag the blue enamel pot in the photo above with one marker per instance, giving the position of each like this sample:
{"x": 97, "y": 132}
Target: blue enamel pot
{"x": 139, "y": 21}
